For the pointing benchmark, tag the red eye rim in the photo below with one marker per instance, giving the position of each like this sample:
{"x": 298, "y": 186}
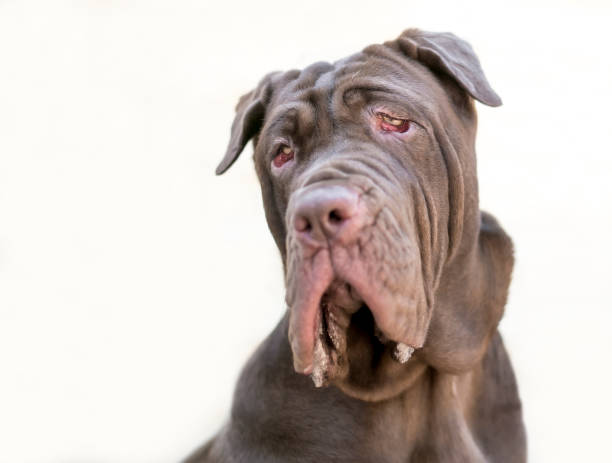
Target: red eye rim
{"x": 284, "y": 155}
{"x": 385, "y": 123}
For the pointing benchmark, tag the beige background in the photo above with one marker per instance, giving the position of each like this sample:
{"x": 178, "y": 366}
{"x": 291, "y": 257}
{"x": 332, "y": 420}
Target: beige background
{"x": 134, "y": 284}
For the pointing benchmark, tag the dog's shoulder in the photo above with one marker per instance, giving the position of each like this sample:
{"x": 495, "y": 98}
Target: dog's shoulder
{"x": 280, "y": 416}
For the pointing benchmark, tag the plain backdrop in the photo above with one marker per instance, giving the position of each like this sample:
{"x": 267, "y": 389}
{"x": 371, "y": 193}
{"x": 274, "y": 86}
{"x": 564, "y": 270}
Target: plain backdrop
{"x": 134, "y": 283}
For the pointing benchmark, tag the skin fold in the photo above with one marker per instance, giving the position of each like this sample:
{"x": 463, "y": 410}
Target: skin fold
{"x": 395, "y": 280}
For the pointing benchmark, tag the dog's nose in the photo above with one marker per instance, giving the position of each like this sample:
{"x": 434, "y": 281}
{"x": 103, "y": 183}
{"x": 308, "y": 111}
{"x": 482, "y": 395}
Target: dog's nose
{"x": 327, "y": 213}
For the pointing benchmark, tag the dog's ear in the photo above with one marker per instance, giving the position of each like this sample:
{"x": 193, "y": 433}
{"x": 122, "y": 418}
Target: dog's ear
{"x": 444, "y": 52}
{"x": 250, "y": 113}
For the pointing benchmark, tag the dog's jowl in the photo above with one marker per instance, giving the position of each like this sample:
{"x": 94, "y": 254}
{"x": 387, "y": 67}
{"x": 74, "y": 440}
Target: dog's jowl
{"x": 395, "y": 280}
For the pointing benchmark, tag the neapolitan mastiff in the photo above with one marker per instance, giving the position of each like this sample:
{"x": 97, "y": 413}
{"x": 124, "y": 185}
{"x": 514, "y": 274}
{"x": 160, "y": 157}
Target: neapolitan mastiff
{"x": 396, "y": 281}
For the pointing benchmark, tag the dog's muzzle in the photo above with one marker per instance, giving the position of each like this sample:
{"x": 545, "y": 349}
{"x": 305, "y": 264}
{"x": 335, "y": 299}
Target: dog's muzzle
{"x": 332, "y": 246}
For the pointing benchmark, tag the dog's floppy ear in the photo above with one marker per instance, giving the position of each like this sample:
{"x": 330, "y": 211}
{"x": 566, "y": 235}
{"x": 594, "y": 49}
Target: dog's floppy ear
{"x": 250, "y": 113}
{"x": 447, "y": 53}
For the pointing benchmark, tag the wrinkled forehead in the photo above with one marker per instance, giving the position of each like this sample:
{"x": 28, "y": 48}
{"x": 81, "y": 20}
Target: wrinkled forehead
{"x": 369, "y": 77}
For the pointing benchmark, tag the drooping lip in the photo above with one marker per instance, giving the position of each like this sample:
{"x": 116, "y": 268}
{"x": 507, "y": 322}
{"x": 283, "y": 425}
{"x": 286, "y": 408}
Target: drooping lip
{"x": 311, "y": 348}
{"x": 398, "y": 313}
{"x": 310, "y": 283}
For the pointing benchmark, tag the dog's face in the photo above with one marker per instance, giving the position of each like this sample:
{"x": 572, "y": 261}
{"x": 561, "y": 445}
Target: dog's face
{"x": 368, "y": 177}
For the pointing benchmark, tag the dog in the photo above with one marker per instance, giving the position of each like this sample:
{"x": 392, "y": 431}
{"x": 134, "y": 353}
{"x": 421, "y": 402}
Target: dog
{"x": 395, "y": 280}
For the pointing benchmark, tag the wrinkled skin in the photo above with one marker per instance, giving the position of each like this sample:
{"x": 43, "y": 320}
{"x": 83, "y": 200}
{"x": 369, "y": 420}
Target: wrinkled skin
{"x": 396, "y": 311}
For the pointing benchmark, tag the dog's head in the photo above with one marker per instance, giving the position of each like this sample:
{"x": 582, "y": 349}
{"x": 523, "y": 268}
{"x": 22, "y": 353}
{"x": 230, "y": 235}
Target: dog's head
{"x": 368, "y": 174}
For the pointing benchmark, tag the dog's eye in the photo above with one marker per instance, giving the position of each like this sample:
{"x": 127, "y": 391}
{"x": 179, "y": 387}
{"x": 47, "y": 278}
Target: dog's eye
{"x": 392, "y": 124}
{"x": 284, "y": 155}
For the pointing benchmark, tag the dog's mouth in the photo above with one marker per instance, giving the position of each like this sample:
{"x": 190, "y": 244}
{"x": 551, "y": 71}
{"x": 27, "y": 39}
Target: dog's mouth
{"x": 333, "y": 318}
{"x": 374, "y": 285}
{"x": 343, "y": 319}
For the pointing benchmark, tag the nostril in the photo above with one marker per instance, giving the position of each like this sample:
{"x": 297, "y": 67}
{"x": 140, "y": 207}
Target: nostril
{"x": 324, "y": 213}
{"x": 302, "y": 224}
{"x": 335, "y": 216}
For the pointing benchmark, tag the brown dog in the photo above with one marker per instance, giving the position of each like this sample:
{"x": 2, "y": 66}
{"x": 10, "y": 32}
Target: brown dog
{"x": 396, "y": 281}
